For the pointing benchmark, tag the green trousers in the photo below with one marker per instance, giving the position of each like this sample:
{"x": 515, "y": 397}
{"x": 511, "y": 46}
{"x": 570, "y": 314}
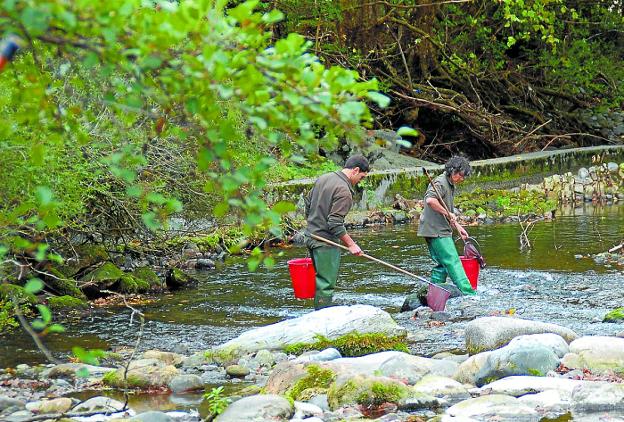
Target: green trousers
{"x": 326, "y": 262}
{"x": 444, "y": 254}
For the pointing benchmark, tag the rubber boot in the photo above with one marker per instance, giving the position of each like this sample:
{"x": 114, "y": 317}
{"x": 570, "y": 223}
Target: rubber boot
{"x": 326, "y": 262}
{"x": 443, "y": 252}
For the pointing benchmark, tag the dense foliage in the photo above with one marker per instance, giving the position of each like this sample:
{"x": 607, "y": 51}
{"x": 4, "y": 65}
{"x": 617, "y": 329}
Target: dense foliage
{"x": 483, "y": 77}
{"x": 116, "y": 113}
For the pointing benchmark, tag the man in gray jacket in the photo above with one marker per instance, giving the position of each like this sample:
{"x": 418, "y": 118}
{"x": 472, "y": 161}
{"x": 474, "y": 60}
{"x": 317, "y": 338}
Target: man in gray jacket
{"x": 327, "y": 205}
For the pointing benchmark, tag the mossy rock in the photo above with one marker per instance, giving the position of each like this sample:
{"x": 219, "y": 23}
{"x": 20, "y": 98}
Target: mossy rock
{"x": 177, "y": 279}
{"x": 221, "y": 356}
{"x": 616, "y": 315}
{"x": 366, "y": 391}
{"x": 88, "y": 255}
{"x": 130, "y": 284}
{"x": 353, "y": 344}
{"x": 66, "y": 302}
{"x": 317, "y": 378}
{"x": 107, "y": 272}
{"x": 100, "y": 279}
{"x": 113, "y": 379}
{"x": 148, "y": 275}
{"x": 64, "y": 285}
{"x": 10, "y": 291}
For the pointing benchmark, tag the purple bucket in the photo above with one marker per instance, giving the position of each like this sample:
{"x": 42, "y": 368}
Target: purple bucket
{"x": 437, "y": 297}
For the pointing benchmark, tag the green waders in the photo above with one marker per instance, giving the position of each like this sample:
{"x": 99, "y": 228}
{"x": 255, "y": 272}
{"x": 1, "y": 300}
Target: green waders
{"x": 443, "y": 252}
{"x": 326, "y": 260}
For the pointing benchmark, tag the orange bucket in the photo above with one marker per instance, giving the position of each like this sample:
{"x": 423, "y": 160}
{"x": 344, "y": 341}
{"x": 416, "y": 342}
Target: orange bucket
{"x": 471, "y": 267}
{"x": 303, "y": 277}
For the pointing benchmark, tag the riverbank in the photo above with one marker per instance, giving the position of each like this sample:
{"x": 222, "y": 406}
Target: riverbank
{"x": 574, "y": 375}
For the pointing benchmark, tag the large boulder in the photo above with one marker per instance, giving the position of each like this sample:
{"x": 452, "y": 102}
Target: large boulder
{"x": 262, "y": 407}
{"x": 75, "y": 370}
{"x": 517, "y": 359}
{"x": 597, "y": 353}
{"x": 58, "y": 405}
{"x": 591, "y": 397}
{"x": 490, "y": 333}
{"x": 366, "y": 390}
{"x": 521, "y": 385}
{"x": 10, "y": 403}
{"x": 332, "y": 322}
{"x": 168, "y": 358}
{"x": 491, "y": 407}
{"x": 442, "y": 387}
{"x": 102, "y": 278}
{"x": 551, "y": 404}
{"x": 410, "y": 369}
{"x": 284, "y": 376}
{"x": 186, "y": 382}
{"x": 467, "y": 371}
{"x": 399, "y": 365}
{"x": 101, "y": 403}
{"x": 553, "y": 341}
{"x": 142, "y": 373}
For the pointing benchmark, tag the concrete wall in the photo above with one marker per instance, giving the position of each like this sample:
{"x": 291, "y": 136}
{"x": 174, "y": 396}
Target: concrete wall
{"x": 380, "y": 187}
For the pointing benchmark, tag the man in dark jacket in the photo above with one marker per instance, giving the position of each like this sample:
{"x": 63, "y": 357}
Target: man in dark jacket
{"x": 435, "y": 225}
{"x": 327, "y": 205}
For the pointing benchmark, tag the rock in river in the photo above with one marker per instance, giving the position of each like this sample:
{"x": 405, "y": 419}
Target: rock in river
{"x": 493, "y": 332}
{"x": 332, "y": 322}
{"x": 261, "y": 407}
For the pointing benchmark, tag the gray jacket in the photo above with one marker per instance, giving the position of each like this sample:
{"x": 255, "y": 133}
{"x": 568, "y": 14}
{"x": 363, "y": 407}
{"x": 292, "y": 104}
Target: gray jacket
{"x": 326, "y": 207}
{"x": 432, "y": 223}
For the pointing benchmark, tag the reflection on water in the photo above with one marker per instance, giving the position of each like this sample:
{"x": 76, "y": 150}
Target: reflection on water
{"x": 232, "y": 299}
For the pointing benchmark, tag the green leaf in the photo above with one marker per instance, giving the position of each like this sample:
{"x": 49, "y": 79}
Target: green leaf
{"x": 378, "y": 98}
{"x": 152, "y": 62}
{"x": 273, "y": 16}
{"x": 89, "y": 357}
{"x": 282, "y": 207}
{"x": 46, "y": 315}
{"x": 33, "y": 286}
{"x": 43, "y": 195}
{"x": 407, "y": 131}
{"x": 150, "y": 219}
{"x": 40, "y": 255}
{"x": 253, "y": 263}
{"x": 56, "y": 328}
{"x": 269, "y": 262}
{"x": 35, "y": 20}
{"x": 90, "y": 60}
{"x": 221, "y": 209}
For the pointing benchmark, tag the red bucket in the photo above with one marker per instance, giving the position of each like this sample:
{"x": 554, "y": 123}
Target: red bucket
{"x": 471, "y": 267}
{"x": 303, "y": 277}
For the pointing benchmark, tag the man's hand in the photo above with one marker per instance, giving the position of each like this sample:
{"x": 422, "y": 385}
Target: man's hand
{"x": 452, "y": 218}
{"x": 462, "y": 232}
{"x": 355, "y": 249}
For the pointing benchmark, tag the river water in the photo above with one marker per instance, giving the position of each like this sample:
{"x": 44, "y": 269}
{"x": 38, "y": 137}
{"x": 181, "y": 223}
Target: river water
{"x": 548, "y": 282}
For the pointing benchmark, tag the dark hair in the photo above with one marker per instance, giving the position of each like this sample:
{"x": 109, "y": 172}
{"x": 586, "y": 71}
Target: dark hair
{"x": 357, "y": 161}
{"x": 457, "y": 164}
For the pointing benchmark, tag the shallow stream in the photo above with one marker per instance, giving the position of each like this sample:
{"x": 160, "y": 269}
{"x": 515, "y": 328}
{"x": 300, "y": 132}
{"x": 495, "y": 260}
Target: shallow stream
{"x": 549, "y": 282}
